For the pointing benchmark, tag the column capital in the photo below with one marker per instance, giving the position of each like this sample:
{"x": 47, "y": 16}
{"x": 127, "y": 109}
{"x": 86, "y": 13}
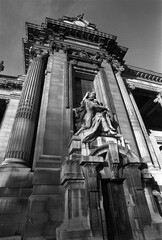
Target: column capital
{"x": 37, "y": 52}
{"x": 130, "y": 87}
{"x": 117, "y": 66}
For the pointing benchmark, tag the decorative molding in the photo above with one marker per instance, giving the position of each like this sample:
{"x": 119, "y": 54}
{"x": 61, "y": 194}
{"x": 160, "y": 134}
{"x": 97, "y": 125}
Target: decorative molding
{"x": 10, "y": 83}
{"x": 130, "y": 87}
{"x": 117, "y": 65}
{"x": 37, "y": 52}
{"x": 68, "y": 29}
{"x": 17, "y": 154}
{"x": 145, "y": 84}
{"x": 142, "y": 73}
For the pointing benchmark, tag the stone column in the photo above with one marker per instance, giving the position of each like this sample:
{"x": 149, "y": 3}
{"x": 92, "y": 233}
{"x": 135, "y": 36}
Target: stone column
{"x": 21, "y": 138}
{"x": 156, "y": 158}
{"x": 140, "y": 140}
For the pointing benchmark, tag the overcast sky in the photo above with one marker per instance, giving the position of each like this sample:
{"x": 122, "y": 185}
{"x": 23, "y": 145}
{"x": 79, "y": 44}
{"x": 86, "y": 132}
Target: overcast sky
{"x": 136, "y": 23}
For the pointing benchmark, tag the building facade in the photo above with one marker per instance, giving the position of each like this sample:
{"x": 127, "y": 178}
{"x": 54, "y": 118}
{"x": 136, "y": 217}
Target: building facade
{"x": 80, "y": 139}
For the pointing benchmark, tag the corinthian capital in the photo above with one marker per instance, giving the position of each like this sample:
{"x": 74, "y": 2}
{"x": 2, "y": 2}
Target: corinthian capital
{"x": 37, "y": 52}
{"x": 117, "y": 66}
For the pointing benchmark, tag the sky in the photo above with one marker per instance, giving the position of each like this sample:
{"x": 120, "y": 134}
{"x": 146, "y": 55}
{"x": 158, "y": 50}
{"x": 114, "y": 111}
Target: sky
{"x": 136, "y": 23}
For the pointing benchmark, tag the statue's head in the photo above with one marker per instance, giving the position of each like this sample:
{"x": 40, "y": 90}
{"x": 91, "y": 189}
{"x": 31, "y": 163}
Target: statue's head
{"x": 92, "y": 95}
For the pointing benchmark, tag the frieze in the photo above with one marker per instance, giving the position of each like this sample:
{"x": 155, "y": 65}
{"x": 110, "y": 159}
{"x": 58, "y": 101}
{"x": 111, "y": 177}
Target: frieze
{"x": 10, "y": 83}
{"x": 80, "y": 54}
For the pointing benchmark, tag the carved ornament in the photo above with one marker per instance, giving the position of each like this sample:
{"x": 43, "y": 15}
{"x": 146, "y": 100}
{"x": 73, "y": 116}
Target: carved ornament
{"x": 130, "y": 87}
{"x": 79, "y": 21}
{"x": 69, "y": 28}
{"x": 117, "y": 65}
{"x": 142, "y": 73}
{"x": 10, "y": 84}
{"x": 158, "y": 99}
{"x": 37, "y": 52}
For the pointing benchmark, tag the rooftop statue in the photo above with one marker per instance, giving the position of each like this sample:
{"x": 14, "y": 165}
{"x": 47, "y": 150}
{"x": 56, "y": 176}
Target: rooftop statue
{"x": 158, "y": 98}
{"x": 79, "y": 21}
{"x": 1, "y": 66}
{"x": 93, "y": 119}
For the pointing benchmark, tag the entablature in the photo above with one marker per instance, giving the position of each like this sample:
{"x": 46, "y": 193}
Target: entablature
{"x": 145, "y": 85}
{"x": 141, "y": 74}
{"x": 65, "y": 31}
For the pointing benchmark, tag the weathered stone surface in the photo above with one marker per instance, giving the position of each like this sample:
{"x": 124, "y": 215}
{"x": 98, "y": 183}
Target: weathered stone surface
{"x": 54, "y": 118}
{"x": 7, "y": 126}
{"x": 11, "y": 238}
{"x": 46, "y": 176}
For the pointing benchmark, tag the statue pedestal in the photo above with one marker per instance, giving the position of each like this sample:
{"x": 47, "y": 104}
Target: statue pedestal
{"x": 75, "y": 225}
{"x": 90, "y": 164}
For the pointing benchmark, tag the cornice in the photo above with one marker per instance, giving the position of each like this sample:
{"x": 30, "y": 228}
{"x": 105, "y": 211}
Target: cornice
{"x": 53, "y": 31}
{"x": 142, "y": 74}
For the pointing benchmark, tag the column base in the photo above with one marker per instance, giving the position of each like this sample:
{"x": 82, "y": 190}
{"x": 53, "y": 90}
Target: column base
{"x": 14, "y": 162}
{"x": 74, "y": 230}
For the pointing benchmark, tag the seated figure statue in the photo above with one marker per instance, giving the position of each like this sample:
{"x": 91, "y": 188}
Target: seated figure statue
{"x": 95, "y": 119}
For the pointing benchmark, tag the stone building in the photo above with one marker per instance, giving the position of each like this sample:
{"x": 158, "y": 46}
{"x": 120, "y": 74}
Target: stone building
{"x": 80, "y": 139}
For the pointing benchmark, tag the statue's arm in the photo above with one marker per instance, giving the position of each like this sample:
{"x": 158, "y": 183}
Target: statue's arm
{"x": 96, "y": 105}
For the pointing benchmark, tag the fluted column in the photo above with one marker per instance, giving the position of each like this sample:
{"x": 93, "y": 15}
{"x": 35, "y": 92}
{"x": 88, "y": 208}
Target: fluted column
{"x": 21, "y": 137}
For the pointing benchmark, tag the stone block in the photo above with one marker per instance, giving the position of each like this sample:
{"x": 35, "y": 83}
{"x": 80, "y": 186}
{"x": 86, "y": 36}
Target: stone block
{"x": 57, "y": 215}
{"x": 75, "y": 145}
{"x": 9, "y": 228}
{"x": 50, "y": 228}
{"x": 48, "y": 161}
{"x": 55, "y": 202}
{"x": 15, "y": 192}
{"x": 12, "y": 238}
{"x": 15, "y": 177}
{"x": 35, "y": 238}
{"x": 34, "y": 230}
{"x": 69, "y": 234}
{"x": 12, "y": 204}
{"x": 38, "y": 217}
{"x": 46, "y": 176}
{"x": 47, "y": 190}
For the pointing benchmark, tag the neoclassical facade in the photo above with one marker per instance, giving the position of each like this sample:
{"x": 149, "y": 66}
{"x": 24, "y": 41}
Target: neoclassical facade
{"x": 80, "y": 139}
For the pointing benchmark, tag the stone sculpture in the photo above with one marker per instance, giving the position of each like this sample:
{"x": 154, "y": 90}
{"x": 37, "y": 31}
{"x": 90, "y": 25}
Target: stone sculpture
{"x": 93, "y": 119}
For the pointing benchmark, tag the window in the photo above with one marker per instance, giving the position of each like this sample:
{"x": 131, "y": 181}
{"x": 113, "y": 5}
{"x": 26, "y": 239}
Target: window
{"x": 82, "y": 83}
